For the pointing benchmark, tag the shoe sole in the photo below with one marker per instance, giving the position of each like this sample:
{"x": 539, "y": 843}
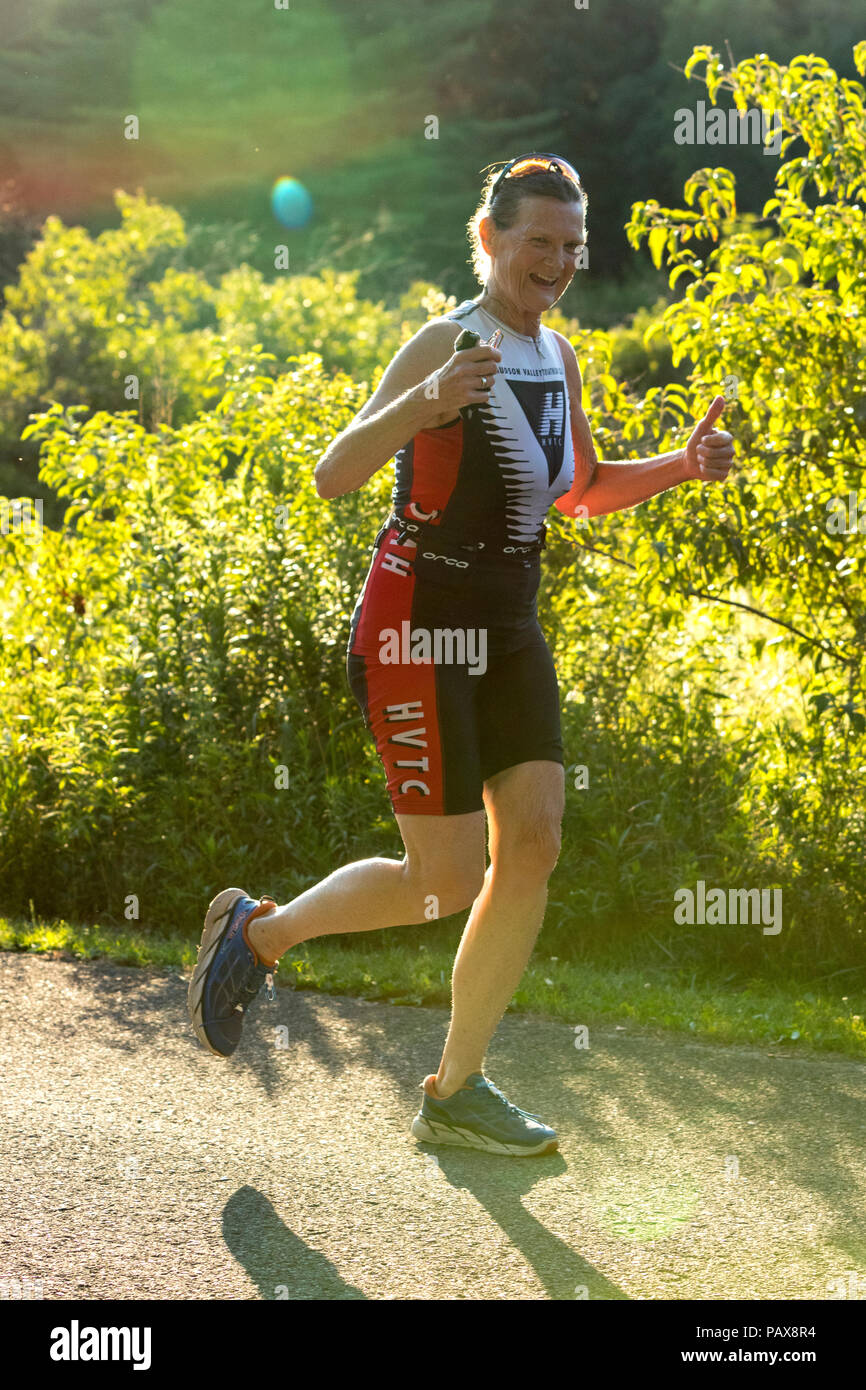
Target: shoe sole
{"x": 216, "y": 922}
{"x": 429, "y": 1132}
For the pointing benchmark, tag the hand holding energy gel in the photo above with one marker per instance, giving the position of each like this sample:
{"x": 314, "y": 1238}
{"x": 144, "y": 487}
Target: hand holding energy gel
{"x": 483, "y": 364}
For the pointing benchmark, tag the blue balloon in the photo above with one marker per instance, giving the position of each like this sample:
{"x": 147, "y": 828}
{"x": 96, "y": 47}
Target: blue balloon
{"x": 291, "y": 203}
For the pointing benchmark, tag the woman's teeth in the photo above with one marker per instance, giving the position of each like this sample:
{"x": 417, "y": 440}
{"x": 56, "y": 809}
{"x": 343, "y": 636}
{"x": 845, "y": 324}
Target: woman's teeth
{"x": 540, "y": 280}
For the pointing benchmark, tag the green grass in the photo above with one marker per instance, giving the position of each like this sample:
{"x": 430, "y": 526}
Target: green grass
{"x": 794, "y": 1016}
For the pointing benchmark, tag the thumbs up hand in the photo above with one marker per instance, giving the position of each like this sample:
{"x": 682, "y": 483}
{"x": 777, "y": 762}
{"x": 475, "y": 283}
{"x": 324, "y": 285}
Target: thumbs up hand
{"x": 709, "y": 454}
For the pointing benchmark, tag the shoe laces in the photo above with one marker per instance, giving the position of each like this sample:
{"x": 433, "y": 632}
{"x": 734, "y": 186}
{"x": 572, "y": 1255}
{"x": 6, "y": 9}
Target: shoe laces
{"x": 515, "y": 1109}
{"x": 253, "y": 983}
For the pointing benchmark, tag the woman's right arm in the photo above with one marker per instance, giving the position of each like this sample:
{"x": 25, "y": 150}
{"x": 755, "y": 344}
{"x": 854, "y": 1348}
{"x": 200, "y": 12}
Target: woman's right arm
{"x": 407, "y": 400}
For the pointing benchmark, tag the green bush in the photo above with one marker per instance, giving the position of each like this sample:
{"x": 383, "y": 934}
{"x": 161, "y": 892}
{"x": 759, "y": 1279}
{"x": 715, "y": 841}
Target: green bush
{"x": 174, "y": 645}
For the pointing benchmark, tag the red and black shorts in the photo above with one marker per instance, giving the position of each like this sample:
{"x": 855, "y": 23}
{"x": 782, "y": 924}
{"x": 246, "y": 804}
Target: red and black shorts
{"x": 451, "y": 671}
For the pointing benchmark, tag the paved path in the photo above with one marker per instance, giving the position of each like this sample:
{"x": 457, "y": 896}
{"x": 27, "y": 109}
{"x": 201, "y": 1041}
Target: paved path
{"x": 135, "y": 1165}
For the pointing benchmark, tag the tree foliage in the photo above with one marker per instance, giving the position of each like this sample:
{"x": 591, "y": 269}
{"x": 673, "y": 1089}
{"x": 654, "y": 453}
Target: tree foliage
{"x": 124, "y": 316}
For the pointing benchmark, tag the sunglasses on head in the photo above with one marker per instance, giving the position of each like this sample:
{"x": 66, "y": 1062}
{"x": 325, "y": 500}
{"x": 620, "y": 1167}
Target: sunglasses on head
{"x": 536, "y": 164}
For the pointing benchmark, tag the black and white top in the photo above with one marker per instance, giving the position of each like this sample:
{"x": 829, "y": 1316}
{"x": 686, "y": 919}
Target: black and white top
{"x": 492, "y": 474}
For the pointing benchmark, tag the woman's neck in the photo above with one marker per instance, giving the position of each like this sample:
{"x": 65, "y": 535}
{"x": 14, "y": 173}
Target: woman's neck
{"x": 519, "y": 321}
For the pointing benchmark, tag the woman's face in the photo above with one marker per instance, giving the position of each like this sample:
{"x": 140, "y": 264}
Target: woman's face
{"x": 532, "y": 263}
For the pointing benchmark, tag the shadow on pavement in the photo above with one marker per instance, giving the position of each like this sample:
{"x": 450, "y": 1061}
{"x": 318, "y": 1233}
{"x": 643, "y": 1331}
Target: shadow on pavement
{"x": 799, "y": 1119}
{"x": 498, "y": 1184}
{"x": 279, "y": 1263}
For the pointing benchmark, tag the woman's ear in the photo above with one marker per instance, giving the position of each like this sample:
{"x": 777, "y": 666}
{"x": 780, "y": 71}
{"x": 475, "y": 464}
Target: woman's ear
{"x": 486, "y": 230}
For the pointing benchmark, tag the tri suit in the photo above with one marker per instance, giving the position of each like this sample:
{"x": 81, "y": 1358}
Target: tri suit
{"x": 446, "y": 657}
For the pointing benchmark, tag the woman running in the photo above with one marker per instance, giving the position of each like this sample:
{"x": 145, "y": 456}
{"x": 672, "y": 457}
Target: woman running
{"x": 446, "y": 657}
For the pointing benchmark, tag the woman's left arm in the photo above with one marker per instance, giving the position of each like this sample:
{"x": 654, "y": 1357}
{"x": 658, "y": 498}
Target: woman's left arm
{"x": 601, "y": 487}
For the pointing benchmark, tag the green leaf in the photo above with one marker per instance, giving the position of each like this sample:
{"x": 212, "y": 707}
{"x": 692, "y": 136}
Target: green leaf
{"x": 658, "y": 239}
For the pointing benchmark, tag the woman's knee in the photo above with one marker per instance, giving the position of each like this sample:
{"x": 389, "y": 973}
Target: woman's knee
{"x": 530, "y": 848}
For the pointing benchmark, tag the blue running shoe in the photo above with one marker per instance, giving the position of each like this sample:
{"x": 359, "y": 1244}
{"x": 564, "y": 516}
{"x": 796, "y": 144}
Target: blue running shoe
{"x": 479, "y": 1116}
{"x": 228, "y": 974}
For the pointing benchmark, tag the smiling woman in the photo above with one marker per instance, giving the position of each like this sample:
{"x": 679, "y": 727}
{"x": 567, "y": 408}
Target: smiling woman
{"x": 486, "y": 438}
{"x": 504, "y": 206}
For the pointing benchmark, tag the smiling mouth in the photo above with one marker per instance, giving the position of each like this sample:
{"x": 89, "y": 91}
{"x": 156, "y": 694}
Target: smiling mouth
{"x": 540, "y": 280}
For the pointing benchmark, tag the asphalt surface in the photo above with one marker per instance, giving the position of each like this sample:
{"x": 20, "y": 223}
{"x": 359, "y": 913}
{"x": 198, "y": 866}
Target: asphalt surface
{"x": 136, "y": 1165}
